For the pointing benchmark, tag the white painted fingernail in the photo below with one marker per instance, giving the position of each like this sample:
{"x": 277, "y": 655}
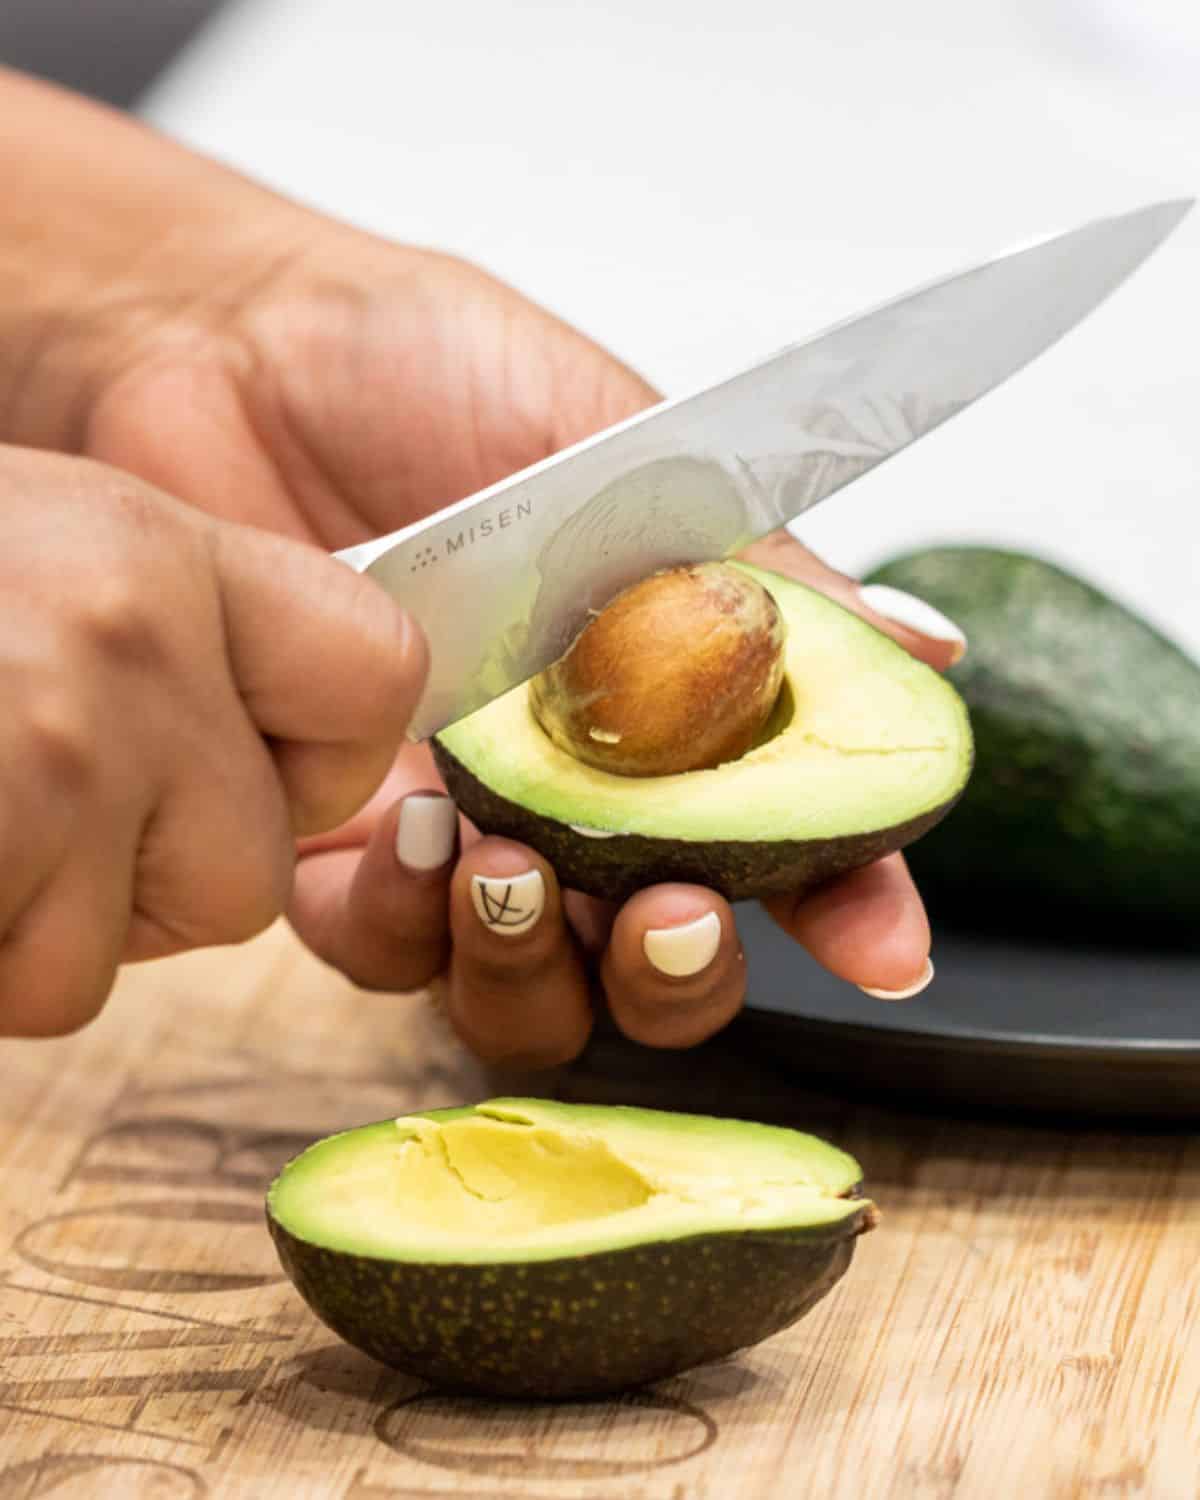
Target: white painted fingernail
{"x": 922, "y": 983}
{"x": 425, "y": 831}
{"x": 509, "y": 904}
{"x": 681, "y": 951}
{"x": 907, "y": 609}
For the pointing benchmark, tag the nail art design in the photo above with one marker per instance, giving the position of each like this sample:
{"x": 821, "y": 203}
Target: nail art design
{"x": 508, "y": 904}
{"x": 425, "y": 831}
{"x": 921, "y": 983}
{"x": 907, "y": 609}
{"x": 682, "y": 951}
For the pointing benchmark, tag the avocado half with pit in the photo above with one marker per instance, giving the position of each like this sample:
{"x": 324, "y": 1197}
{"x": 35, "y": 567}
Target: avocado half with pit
{"x": 866, "y": 749}
{"x": 526, "y": 1248}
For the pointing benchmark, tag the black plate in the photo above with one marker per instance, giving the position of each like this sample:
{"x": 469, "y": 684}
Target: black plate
{"x": 1011, "y": 1026}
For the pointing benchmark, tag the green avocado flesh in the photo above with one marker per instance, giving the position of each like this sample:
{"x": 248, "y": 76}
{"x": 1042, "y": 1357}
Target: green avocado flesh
{"x": 868, "y": 748}
{"x": 527, "y": 1248}
{"x": 1084, "y": 808}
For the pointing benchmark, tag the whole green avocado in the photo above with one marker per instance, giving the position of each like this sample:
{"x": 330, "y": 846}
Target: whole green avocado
{"x": 1083, "y": 812}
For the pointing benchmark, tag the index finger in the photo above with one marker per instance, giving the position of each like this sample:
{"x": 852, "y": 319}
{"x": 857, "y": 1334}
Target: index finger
{"x": 868, "y": 927}
{"x": 923, "y": 631}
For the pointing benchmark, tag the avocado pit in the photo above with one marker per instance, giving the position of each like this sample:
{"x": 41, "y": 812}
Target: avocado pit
{"x": 679, "y": 673}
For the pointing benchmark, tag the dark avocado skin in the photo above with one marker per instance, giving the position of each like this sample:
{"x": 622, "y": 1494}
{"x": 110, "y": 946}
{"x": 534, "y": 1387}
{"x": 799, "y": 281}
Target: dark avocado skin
{"x": 615, "y": 868}
{"x": 577, "y": 1327}
{"x": 1083, "y": 812}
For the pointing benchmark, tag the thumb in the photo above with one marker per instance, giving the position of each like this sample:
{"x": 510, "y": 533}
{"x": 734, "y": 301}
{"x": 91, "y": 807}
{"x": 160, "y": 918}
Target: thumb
{"x": 328, "y": 666}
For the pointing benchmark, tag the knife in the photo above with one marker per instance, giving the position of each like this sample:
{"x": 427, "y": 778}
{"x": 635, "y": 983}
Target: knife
{"x": 503, "y": 581}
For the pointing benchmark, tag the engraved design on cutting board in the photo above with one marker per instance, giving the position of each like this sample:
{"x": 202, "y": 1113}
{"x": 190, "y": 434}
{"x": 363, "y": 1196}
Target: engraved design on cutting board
{"x": 131, "y": 1478}
{"x": 146, "y": 1140}
{"x": 406, "y": 1427}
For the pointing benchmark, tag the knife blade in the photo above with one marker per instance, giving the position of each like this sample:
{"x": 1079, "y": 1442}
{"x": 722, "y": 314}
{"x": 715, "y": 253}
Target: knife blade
{"x": 502, "y": 581}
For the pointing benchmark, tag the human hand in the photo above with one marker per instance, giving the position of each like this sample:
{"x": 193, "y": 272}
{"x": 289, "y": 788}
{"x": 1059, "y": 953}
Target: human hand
{"x": 182, "y": 699}
{"x": 274, "y": 367}
{"x": 522, "y": 958}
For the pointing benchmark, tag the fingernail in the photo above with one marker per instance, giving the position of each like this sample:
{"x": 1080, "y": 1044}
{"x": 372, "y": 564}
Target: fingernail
{"x": 681, "y": 951}
{"x": 921, "y": 983}
{"x": 425, "y": 831}
{"x": 509, "y": 904}
{"x": 907, "y": 609}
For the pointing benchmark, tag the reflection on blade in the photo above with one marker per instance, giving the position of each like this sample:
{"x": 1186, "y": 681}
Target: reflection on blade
{"x": 502, "y": 581}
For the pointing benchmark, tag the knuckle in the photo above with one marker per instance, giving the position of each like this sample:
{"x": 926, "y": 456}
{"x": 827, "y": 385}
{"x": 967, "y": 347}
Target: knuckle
{"x": 412, "y": 967}
{"x": 255, "y": 898}
{"x": 117, "y": 620}
{"x": 247, "y": 921}
{"x": 527, "y": 962}
{"x": 234, "y": 921}
{"x": 677, "y": 1027}
{"x": 557, "y": 1052}
{"x": 239, "y": 900}
{"x": 503, "y": 1048}
{"x": 52, "y": 1010}
{"x": 419, "y": 964}
{"x": 402, "y": 665}
{"x": 216, "y": 865}
{"x": 392, "y": 662}
{"x": 325, "y": 789}
{"x": 677, "y": 1012}
{"x": 61, "y": 742}
{"x": 543, "y": 1021}
{"x": 539, "y": 1058}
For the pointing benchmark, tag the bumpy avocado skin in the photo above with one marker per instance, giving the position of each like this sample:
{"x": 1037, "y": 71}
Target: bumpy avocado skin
{"x": 1084, "y": 805}
{"x": 615, "y": 868}
{"x": 582, "y": 1326}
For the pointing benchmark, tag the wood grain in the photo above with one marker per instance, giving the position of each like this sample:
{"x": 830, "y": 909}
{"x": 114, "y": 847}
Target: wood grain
{"x": 1023, "y": 1323}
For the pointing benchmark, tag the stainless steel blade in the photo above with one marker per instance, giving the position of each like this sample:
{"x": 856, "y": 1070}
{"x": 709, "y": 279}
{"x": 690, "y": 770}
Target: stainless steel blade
{"x": 502, "y": 581}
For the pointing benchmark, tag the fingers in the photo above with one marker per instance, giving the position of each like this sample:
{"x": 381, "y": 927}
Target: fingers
{"x": 180, "y": 696}
{"x": 517, "y": 991}
{"x": 674, "y": 972}
{"x": 59, "y": 956}
{"x": 379, "y": 913}
{"x": 215, "y": 856}
{"x": 399, "y": 912}
{"x": 56, "y": 969}
{"x": 329, "y": 667}
{"x": 413, "y": 770}
{"x": 922, "y": 630}
{"x": 868, "y": 927}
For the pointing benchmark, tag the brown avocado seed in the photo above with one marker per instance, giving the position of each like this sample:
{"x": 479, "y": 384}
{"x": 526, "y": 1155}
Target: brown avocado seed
{"x": 679, "y": 673}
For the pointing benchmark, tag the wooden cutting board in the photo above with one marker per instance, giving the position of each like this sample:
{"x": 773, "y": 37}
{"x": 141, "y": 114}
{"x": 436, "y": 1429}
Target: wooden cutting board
{"x": 1025, "y": 1322}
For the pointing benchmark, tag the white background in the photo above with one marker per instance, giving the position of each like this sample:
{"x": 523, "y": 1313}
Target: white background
{"x": 695, "y": 183}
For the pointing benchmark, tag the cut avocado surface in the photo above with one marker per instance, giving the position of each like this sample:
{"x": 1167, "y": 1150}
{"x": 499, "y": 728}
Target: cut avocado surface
{"x": 529, "y": 1248}
{"x": 867, "y": 749}
{"x": 1084, "y": 808}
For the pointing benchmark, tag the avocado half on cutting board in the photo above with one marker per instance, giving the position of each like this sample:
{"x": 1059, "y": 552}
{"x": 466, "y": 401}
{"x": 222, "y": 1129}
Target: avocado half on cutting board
{"x": 863, "y": 750}
{"x": 526, "y": 1248}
